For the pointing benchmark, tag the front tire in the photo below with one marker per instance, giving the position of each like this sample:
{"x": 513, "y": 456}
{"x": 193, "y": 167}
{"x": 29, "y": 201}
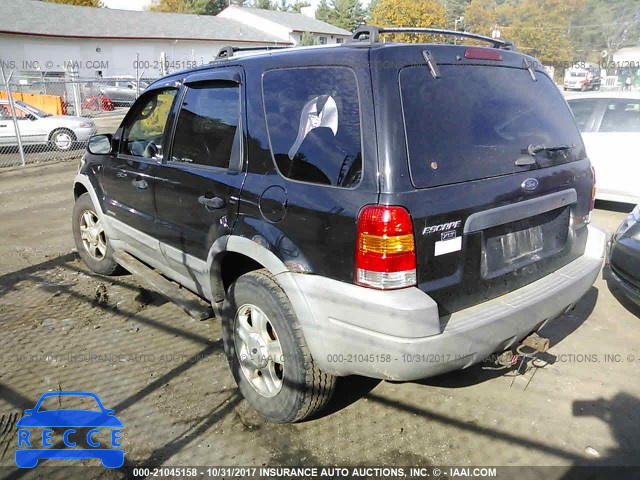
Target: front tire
{"x": 267, "y": 352}
{"x": 62, "y": 139}
{"x": 90, "y": 238}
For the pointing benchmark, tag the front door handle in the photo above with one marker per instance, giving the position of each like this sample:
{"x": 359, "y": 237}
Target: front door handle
{"x": 211, "y": 202}
{"x": 139, "y": 183}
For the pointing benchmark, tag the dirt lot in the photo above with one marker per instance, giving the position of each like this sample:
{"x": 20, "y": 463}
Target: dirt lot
{"x": 164, "y": 373}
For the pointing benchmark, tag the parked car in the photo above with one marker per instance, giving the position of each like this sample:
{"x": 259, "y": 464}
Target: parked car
{"x": 610, "y": 126}
{"x": 38, "y": 127}
{"x": 624, "y": 257}
{"x": 342, "y": 218}
{"x": 120, "y": 90}
{"x": 582, "y": 78}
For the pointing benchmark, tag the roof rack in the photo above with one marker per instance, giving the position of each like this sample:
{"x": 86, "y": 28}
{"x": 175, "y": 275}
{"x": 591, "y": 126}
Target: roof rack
{"x": 372, "y": 33}
{"x": 228, "y": 51}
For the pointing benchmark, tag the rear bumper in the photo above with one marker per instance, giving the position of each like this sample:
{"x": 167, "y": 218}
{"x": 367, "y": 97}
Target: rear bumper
{"x": 398, "y": 335}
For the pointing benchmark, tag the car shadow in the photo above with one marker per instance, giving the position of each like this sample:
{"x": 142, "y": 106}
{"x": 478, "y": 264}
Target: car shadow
{"x": 348, "y": 391}
{"x": 556, "y": 331}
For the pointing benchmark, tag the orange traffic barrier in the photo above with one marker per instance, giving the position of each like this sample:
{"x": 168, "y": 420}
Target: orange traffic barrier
{"x": 52, "y": 104}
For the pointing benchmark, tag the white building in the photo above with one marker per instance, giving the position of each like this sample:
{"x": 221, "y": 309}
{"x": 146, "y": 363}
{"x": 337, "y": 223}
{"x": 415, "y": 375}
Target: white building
{"x": 627, "y": 57}
{"x": 44, "y": 38}
{"x": 287, "y": 26}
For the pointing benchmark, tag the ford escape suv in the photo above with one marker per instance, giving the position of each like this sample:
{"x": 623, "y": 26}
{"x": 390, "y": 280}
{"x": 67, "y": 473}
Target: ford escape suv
{"x": 389, "y": 210}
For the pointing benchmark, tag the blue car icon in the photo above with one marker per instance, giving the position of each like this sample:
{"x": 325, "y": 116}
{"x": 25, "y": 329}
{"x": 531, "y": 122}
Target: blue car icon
{"x": 31, "y": 448}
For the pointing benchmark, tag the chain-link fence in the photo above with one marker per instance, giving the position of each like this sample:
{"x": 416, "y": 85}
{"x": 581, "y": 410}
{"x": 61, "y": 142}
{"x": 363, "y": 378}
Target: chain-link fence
{"x": 45, "y": 117}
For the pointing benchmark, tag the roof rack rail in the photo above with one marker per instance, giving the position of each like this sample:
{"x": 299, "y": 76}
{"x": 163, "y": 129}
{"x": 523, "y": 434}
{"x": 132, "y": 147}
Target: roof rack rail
{"x": 228, "y": 51}
{"x": 372, "y": 33}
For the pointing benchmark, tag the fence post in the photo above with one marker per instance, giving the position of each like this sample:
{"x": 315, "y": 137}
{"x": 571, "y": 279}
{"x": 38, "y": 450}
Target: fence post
{"x": 72, "y": 70}
{"x": 12, "y": 107}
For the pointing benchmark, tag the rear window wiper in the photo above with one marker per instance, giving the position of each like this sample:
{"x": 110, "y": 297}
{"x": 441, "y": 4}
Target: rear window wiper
{"x": 532, "y": 150}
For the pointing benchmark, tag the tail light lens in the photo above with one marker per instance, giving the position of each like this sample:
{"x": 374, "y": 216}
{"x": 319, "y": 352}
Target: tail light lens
{"x": 482, "y": 54}
{"x": 385, "y": 251}
{"x": 593, "y": 190}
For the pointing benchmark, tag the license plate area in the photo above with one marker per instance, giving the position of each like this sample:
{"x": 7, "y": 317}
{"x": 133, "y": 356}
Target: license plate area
{"x": 515, "y": 245}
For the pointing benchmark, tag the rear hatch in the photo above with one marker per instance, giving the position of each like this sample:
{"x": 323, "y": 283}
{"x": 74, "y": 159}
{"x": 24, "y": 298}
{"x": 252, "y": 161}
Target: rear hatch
{"x": 489, "y": 163}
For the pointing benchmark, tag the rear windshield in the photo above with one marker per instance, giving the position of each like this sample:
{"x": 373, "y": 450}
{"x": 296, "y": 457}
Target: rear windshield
{"x": 475, "y": 122}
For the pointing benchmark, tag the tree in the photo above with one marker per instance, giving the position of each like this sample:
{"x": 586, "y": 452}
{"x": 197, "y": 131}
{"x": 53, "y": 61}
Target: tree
{"x": 481, "y": 16}
{"x": 453, "y": 10}
{"x": 264, "y": 4}
{"x": 409, "y": 13}
{"x": 323, "y": 12}
{"x": 307, "y": 39}
{"x": 208, "y": 7}
{"x": 347, "y": 14}
{"x": 176, "y": 6}
{"x": 372, "y": 6}
{"x": 80, "y": 3}
{"x": 296, "y": 7}
{"x": 201, "y": 7}
{"x": 605, "y": 25}
{"x": 541, "y": 28}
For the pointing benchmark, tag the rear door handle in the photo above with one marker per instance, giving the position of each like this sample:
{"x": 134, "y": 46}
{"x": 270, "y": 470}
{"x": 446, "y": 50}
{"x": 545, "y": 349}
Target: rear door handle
{"x": 139, "y": 183}
{"x": 211, "y": 203}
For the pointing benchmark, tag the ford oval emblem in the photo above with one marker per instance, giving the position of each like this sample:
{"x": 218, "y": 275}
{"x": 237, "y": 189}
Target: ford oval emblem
{"x": 530, "y": 184}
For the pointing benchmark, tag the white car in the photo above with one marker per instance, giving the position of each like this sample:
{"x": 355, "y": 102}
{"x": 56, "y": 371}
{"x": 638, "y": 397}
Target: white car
{"x": 610, "y": 126}
{"x": 38, "y": 127}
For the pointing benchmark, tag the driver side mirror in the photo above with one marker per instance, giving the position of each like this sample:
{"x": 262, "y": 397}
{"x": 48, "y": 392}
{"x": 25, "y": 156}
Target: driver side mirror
{"x": 99, "y": 144}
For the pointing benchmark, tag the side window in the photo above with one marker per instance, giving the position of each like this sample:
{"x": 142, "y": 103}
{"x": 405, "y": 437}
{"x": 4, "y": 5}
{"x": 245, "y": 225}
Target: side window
{"x": 313, "y": 120}
{"x": 621, "y": 115}
{"x": 142, "y": 135}
{"x": 582, "y": 110}
{"x": 207, "y": 124}
{"x": 21, "y": 114}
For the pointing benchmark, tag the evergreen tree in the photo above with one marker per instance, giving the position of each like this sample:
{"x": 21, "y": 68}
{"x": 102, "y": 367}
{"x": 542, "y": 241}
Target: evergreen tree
{"x": 264, "y": 4}
{"x": 323, "y": 12}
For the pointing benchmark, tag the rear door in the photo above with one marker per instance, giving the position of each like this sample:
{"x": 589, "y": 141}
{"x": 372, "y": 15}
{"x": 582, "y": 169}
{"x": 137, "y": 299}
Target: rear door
{"x": 493, "y": 208}
{"x": 197, "y": 196}
{"x": 129, "y": 176}
{"x": 613, "y": 149}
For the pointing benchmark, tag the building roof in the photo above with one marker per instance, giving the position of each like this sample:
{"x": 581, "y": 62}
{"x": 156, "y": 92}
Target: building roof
{"x": 628, "y": 51}
{"x": 297, "y": 22}
{"x": 31, "y": 17}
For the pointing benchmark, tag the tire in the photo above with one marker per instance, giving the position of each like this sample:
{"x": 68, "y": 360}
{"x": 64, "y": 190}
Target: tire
{"x": 62, "y": 139}
{"x": 257, "y": 309}
{"x": 91, "y": 240}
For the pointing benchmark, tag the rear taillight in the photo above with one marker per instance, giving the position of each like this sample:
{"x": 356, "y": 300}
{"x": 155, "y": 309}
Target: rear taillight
{"x": 593, "y": 190}
{"x": 385, "y": 250}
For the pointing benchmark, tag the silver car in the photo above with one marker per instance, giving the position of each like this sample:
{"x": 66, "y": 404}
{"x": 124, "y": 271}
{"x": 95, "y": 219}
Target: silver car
{"x": 38, "y": 127}
{"x": 120, "y": 90}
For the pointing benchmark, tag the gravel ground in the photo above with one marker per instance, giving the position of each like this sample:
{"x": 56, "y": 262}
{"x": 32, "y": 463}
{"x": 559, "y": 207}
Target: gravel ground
{"x": 166, "y": 377}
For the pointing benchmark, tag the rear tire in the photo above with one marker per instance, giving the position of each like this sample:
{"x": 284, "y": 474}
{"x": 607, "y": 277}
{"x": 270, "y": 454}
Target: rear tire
{"x": 267, "y": 352}
{"x": 91, "y": 239}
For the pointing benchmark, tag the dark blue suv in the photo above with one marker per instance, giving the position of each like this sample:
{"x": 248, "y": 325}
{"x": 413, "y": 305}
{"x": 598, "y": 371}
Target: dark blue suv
{"x": 374, "y": 208}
